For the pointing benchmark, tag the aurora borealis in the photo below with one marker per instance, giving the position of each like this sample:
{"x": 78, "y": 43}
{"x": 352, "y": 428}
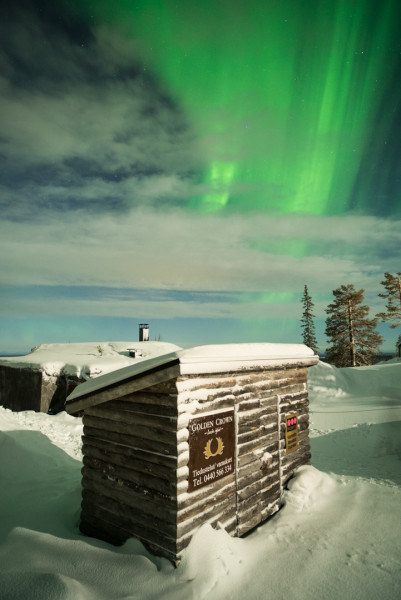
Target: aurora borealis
{"x": 293, "y": 101}
{"x": 194, "y": 164}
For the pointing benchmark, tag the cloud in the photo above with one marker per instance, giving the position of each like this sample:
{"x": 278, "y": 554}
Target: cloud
{"x": 84, "y": 121}
{"x": 180, "y": 251}
{"x": 98, "y": 164}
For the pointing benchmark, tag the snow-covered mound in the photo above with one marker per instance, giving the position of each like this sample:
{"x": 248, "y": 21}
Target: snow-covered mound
{"x": 88, "y": 359}
{"x": 376, "y": 380}
{"x": 341, "y": 398}
{"x": 338, "y": 535}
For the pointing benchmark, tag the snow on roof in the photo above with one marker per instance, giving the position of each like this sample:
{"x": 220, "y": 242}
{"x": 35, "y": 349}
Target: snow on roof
{"x": 217, "y": 358}
{"x": 87, "y": 359}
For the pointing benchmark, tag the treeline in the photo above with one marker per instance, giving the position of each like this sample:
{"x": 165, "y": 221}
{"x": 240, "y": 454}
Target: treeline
{"x": 352, "y": 335}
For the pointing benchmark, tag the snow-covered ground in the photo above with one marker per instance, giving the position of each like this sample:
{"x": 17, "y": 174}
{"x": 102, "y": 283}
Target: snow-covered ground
{"x": 337, "y": 537}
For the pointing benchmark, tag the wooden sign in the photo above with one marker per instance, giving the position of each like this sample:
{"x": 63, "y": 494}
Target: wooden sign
{"x": 291, "y": 433}
{"x": 211, "y": 448}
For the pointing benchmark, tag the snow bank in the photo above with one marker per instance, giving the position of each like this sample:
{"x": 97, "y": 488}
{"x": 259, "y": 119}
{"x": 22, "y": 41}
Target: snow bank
{"x": 377, "y": 380}
{"x": 338, "y": 535}
{"x": 342, "y": 398}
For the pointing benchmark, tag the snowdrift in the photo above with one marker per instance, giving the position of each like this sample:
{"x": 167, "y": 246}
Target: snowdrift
{"x": 338, "y": 535}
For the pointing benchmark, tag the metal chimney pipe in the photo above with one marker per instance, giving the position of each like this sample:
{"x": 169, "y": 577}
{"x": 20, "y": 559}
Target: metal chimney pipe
{"x": 143, "y": 332}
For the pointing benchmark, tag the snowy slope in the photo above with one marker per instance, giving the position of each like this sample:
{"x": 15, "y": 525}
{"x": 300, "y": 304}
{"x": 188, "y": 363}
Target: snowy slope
{"x": 338, "y": 536}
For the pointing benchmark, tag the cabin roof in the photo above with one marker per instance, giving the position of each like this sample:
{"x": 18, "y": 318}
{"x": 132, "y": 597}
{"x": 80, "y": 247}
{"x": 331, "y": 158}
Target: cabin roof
{"x": 211, "y": 359}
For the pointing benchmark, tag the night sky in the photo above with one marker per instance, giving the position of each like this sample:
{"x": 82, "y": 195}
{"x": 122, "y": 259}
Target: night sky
{"x": 192, "y": 164}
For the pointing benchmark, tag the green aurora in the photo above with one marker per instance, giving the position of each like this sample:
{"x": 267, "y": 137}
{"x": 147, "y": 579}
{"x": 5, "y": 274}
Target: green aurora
{"x": 294, "y": 103}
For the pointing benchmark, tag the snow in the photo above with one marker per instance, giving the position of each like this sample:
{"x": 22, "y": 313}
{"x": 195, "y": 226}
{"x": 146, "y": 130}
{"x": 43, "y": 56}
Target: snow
{"x": 338, "y": 535}
{"x": 216, "y": 358}
{"x": 88, "y": 359}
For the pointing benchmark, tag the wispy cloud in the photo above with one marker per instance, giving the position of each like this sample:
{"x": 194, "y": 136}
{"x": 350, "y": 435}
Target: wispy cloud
{"x": 176, "y": 250}
{"x": 86, "y": 124}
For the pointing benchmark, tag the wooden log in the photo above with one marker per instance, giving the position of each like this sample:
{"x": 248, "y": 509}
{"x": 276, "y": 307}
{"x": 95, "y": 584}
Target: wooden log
{"x": 147, "y": 398}
{"x": 130, "y": 462}
{"x": 99, "y": 515}
{"x": 195, "y": 382}
{"x": 270, "y": 410}
{"x": 167, "y": 438}
{"x": 169, "y": 462}
{"x": 303, "y": 459}
{"x": 249, "y": 519}
{"x": 290, "y": 388}
{"x": 94, "y": 527}
{"x": 125, "y": 387}
{"x": 250, "y": 435}
{"x": 109, "y": 411}
{"x": 213, "y": 514}
{"x": 163, "y": 500}
{"x": 206, "y": 405}
{"x": 269, "y": 403}
{"x": 291, "y": 399}
{"x": 256, "y": 421}
{"x": 291, "y": 406}
{"x": 140, "y": 479}
{"x": 251, "y": 457}
{"x": 206, "y": 504}
{"x": 229, "y": 525}
{"x": 261, "y": 442}
{"x": 249, "y": 478}
{"x": 271, "y": 478}
{"x": 271, "y": 509}
{"x": 244, "y": 493}
{"x": 271, "y": 493}
{"x": 126, "y": 435}
{"x": 208, "y": 493}
{"x": 248, "y": 404}
{"x": 165, "y": 387}
{"x": 130, "y": 441}
{"x": 250, "y": 417}
{"x": 249, "y": 469}
{"x": 125, "y": 513}
{"x": 125, "y": 492}
{"x": 207, "y": 396}
{"x": 131, "y": 404}
{"x": 270, "y": 469}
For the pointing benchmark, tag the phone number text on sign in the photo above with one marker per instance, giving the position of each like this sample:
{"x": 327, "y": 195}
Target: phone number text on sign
{"x": 211, "y": 448}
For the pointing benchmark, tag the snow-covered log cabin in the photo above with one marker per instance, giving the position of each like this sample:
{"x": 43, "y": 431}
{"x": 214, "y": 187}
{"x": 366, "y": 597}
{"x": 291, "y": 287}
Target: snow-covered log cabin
{"x": 209, "y": 434}
{"x": 42, "y": 380}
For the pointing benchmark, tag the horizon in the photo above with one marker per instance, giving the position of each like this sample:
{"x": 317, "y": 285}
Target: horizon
{"x": 194, "y": 165}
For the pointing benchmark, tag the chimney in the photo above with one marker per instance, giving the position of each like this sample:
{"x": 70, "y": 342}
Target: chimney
{"x": 143, "y": 332}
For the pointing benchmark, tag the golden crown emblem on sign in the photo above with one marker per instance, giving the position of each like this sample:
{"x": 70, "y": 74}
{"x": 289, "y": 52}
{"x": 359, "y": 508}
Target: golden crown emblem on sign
{"x": 208, "y": 448}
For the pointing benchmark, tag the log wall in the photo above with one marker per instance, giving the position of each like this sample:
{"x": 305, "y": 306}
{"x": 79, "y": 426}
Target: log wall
{"x": 31, "y": 389}
{"x": 136, "y": 455}
{"x": 129, "y": 478}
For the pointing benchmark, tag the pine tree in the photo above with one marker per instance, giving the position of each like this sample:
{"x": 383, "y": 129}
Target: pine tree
{"x": 354, "y": 341}
{"x": 392, "y": 283}
{"x": 398, "y": 346}
{"x": 307, "y": 324}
